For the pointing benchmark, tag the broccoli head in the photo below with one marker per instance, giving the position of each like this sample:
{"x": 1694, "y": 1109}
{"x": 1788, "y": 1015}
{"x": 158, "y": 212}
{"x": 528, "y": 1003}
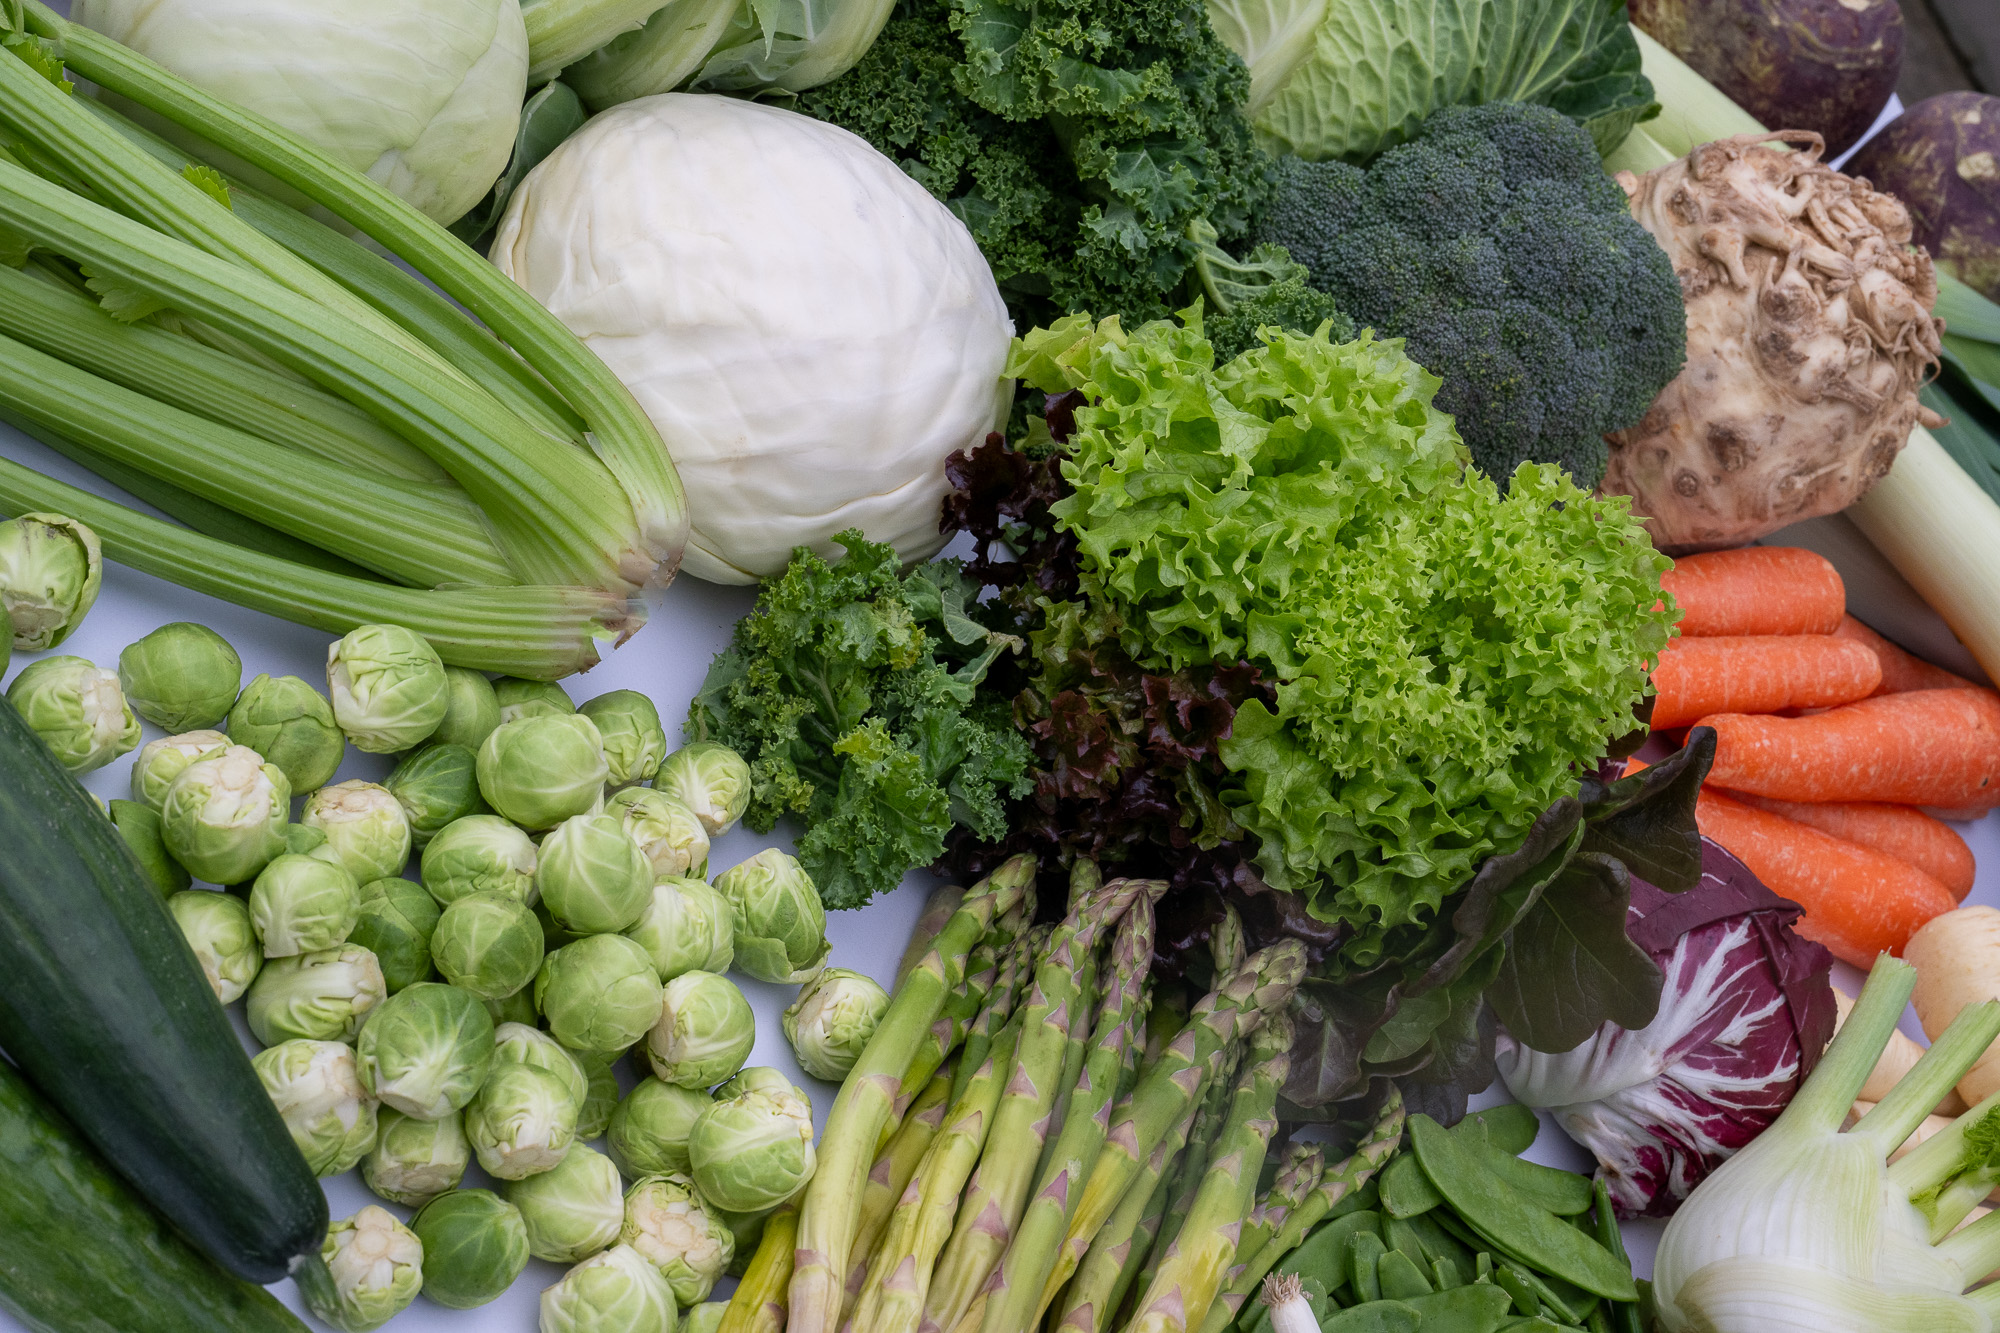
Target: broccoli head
{"x": 1496, "y": 246}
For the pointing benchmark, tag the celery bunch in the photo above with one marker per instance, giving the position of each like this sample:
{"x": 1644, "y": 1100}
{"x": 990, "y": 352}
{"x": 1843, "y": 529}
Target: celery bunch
{"x": 343, "y": 445}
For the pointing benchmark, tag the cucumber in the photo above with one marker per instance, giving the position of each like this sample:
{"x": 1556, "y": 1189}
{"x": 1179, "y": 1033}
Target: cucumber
{"x": 106, "y": 1011}
{"x": 79, "y": 1253}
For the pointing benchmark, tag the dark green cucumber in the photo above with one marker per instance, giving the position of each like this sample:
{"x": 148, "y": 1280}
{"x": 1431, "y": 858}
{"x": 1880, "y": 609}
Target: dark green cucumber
{"x": 80, "y": 1253}
{"x": 106, "y": 1011}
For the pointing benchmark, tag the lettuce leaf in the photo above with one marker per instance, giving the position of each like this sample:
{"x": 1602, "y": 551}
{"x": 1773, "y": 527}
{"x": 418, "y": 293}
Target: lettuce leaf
{"x": 1379, "y": 67}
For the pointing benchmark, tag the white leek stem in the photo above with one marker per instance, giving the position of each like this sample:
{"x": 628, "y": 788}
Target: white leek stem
{"x": 1938, "y": 1156}
{"x": 1976, "y": 1250}
{"x": 1286, "y": 1300}
{"x": 1955, "y": 1202}
{"x": 1829, "y": 1091}
{"x": 1988, "y": 1296}
{"x": 1897, "y": 1116}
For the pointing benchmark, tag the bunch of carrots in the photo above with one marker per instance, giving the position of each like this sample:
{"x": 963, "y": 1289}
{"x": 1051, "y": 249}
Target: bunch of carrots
{"x": 1836, "y": 751}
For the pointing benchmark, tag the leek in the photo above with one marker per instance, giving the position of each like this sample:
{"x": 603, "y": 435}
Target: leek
{"x": 1809, "y": 1230}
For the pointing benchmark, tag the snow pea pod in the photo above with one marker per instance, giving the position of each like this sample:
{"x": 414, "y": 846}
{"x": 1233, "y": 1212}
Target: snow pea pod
{"x": 1473, "y": 1309}
{"x": 1364, "y": 1255}
{"x": 1399, "y": 1278}
{"x": 1564, "y": 1193}
{"x": 1324, "y": 1253}
{"x": 1510, "y": 1128}
{"x": 1375, "y": 1317}
{"x": 1406, "y": 1190}
{"x": 1511, "y": 1225}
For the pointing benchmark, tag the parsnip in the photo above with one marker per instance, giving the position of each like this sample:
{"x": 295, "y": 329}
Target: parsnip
{"x": 1957, "y": 957}
{"x": 1896, "y": 1060}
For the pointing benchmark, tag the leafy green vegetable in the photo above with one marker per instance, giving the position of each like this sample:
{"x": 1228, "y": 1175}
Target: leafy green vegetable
{"x": 1379, "y": 67}
{"x": 1076, "y": 139}
{"x": 1447, "y": 659}
{"x": 1497, "y": 247}
{"x": 852, "y": 691}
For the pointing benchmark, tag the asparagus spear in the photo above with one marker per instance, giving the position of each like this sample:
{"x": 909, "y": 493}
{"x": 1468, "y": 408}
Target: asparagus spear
{"x": 1190, "y": 1275}
{"x": 955, "y": 1018}
{"x": 892, "y": 1171}
{"x": 759, "y": 1303}
{"x": 1303, "y": 1166}
{"x": 1337, "y": 1183}
{"x": 831, "y": 1211}
{"x": 892, "y": 1298}
{"x": 1215, "y": 1101}
{"x": 1015, "y": 1300}
{"x": 1237, "y": 1007}
{"x": 1084, "y": 879}
{"x": 999, "y": 1189}
{"x": 938, "y": 909}
{"x": 1015, "y": 969}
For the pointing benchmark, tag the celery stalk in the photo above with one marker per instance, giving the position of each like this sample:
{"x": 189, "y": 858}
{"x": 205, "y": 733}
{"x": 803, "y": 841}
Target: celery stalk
{"x": 39, "y": 310}
{"x": 412, "y": 532}
{"x": 539, "y": 632}
{"x": 620, "y": 432}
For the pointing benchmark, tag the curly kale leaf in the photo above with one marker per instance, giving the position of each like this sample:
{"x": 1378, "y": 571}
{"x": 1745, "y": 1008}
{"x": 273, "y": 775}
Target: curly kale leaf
{"x": 852, "y": 689}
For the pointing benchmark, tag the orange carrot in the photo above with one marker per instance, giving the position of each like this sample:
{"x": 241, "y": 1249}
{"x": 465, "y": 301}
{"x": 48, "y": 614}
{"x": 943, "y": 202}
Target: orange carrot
{"x": 1901, "y": 671}
{"x": 1893, "y": 830}
{"x": 1927, "y": 747}
{"x": 1756, "y": 590}
{"x": 1858, "y": 902}
{"x": 1759, "y": 674}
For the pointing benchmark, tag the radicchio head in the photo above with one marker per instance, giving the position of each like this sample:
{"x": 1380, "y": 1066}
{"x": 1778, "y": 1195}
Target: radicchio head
{"x": 1744, "y": 1015}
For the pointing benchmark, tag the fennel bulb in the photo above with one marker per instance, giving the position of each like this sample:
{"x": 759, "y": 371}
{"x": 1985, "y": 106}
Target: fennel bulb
{"x": 811, "y": 331}
{"x": 1809, "y": 1229}
{"x": 422, "y": 95}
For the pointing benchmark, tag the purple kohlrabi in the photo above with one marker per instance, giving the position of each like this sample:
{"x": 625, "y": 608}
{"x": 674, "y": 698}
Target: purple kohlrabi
{"x": 1745, "y": 1012}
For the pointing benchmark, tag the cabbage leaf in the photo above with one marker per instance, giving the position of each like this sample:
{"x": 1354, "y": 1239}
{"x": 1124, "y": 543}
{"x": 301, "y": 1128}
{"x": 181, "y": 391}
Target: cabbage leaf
{"x": 1380, "y": 67}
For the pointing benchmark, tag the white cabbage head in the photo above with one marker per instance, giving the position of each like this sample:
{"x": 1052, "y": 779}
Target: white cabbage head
{"x": 423, "y": 95}
{"x": 810, "y": 330}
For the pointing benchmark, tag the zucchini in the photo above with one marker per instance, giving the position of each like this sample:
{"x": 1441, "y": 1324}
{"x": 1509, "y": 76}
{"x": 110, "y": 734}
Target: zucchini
{"x": 79, "y": 1252}
{"x": 106, "y": 1011}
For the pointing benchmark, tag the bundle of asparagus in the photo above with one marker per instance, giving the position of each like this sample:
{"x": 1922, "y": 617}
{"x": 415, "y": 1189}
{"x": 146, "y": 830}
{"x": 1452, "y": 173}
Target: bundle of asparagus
{"x": 1029, "y": 1141}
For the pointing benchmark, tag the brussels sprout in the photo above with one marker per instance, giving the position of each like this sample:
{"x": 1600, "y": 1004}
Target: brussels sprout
{"x": 710, "y": 779}
{"x": 666, "y": 831}
{"x": 488, "y": 944}
{"x": 530, "y": 698}
{"x": 707, "y": 1317}
{"x": 316, "y": 1088}
{"x": 705, "y": 1030}
{"x": 388, "y": 687}
{"x": 370, "y": 1267}
{"x": 687, "y": 927}
{"x": 217, "y": 927}
{"x": 634, "y": 740}
{"x": 600, "y": 1094}
{"x": 539, "y": 771}
{"x": 365, "y": 825}
{"x": 139, "y": 826}
{"x": 525, "y": 1044}
{"x": 771, "y": 1083}
{"x": 470, "y": 709}
{"x": 613, "y": 1292}
{"x": 671, "y": 1225}
{"x": 436, "y": 785}
{"x": 573, "y": 1209}
{"x": 161, "y": 761}
{"x": 77, "y": 709}
{"x": 224, "y": 817}
{"x": 516, "y": 1008}
{"x": 325, "y": 995}
{"x": 181, "y": 676}
{"x": 751, "y": 1152}
{"x": 396, "y": 923}
{"x": 746, "y": 1229}
{"x": 475, "y": 1245}
{"x": 301, "y": 903}
{"x": 291, "y": 724}
{"x": 780, "y": 922}
{"x": 522, "y": 1122}
{"x": 414, "y": 1161}
{"x": 50, "y": 570}
{"x": 599, "y": 994}
{"x": 832, "y": 1020}
{"x": 593, "y": 878}
{"x": 480, "y": 854}
{"x": 426, "y": 1049}
{"x": 649, "y": 1130}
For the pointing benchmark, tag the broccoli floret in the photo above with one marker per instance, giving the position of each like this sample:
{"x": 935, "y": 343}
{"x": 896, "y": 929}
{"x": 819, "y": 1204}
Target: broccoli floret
{"x": 1497, "y": 247}
{"x": 1289, "y": 304}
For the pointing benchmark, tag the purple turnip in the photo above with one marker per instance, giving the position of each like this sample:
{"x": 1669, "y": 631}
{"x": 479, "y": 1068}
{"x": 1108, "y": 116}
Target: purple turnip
{"x": 1942, "y": 159}
{"x": 1823, "y": 65}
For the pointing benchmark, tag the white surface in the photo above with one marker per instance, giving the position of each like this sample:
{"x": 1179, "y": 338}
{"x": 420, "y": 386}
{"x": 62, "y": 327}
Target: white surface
{"x": 690, "y": 622}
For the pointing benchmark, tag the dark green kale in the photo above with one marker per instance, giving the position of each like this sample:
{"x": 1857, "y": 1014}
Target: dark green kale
{"x": 852, "y": 689}
{"x": 1496, "y": 246}
{"x": 1078, "y": 140}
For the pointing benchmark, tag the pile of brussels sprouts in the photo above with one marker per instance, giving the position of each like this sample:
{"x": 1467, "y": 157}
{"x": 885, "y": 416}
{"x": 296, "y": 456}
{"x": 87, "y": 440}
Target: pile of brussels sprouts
{"x": 560, "y": 919}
